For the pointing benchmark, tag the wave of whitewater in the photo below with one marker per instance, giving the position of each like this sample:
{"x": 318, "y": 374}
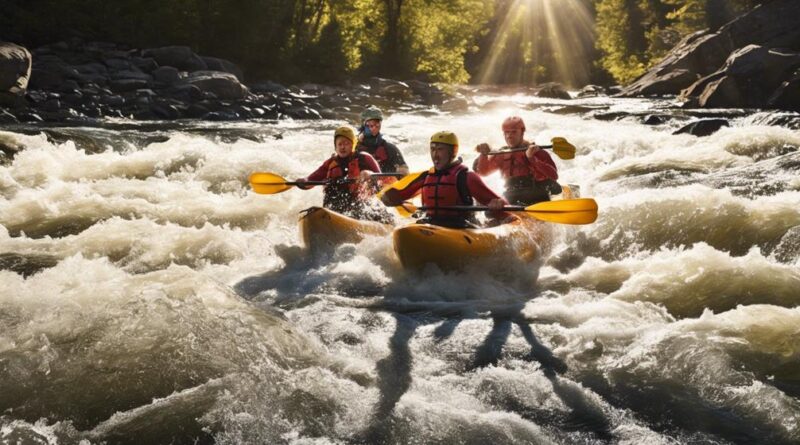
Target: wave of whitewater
{"x": 150, "y": 297}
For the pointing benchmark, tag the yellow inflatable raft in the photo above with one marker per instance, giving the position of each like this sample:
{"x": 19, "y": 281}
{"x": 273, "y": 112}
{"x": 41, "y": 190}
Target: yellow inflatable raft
{"x": 322, "y": 229}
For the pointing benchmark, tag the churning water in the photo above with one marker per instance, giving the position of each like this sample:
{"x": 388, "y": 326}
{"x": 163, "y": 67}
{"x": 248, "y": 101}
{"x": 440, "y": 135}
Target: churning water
{"x": 148, "y": 296}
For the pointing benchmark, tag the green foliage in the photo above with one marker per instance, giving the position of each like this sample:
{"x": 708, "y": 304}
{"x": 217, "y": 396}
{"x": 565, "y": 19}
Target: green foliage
{"x": 635, "y": 35}
{"x": 518, "y": 41}
{"x": 617, "y": 40}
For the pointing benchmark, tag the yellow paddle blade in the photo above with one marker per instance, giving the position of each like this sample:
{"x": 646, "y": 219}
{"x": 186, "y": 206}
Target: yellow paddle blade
{"x": 565, "y": 211}
{"x": 562, "y": 148}
{"x": 406, "y": 209}
{"x": 268, "y": 183}
{"x": 400, "y": 184}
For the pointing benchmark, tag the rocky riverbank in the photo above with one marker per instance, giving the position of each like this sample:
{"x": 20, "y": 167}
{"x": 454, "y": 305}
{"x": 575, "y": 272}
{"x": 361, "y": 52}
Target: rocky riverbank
{"x": 74, "y": 81}
{"x": 751, "y": 62}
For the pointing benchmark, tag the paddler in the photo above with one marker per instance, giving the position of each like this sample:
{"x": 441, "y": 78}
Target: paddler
{"x": 449, "y": 183}
{"x": 370, "y": 140}
{"x": 529, "y": 172}
{"x": 349, "y": 172}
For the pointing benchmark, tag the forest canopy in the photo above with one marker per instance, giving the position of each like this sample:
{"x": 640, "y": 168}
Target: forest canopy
{"x": 574, "y": 42}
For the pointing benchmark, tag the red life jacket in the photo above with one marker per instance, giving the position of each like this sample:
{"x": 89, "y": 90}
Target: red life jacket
{"x": 447, "y": 187}
{"x": 378, "y": 151}
{"x": 514, "y": 164}
{"x": 350, "y": 170}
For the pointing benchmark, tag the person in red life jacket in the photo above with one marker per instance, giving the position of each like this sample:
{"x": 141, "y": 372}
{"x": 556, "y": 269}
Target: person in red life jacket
{"x": 530, "y": 175}
{"x": 449, "y": 183}
{"x": 350, "y": 185}
{"x": 370, "y": 140}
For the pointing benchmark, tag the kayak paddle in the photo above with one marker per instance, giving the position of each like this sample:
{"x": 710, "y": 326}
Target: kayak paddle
{"x": 560, "y": 147}
{"x": 270, "y": 183}
{"x": 564, "y": 211}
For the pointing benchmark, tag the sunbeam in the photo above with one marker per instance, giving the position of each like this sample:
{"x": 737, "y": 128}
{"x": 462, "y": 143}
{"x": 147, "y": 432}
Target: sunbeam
{"x": 540, "y": 40}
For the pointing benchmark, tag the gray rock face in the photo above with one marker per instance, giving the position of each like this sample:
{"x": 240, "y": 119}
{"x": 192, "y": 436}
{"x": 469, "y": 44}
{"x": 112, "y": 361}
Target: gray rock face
{"x": 750, "y": 76}
{"x": 15, "y": 71}
{"x": 732, "y": 67}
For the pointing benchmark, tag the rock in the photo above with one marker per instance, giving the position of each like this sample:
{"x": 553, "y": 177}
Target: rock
{"x": 166, "y": 74}
{"x": 223, "y": 85}
{"x": 165, "y": 110}
{"x": 184, "y": 92}
{"x": 145, "y": 64}
{"x": 554, "y": 91}
{"x": 656, "y": 119}
{"x": 6, "y": 118}
{"x": 771, "y": 25}
{"x": 217, "y": 64}
{"x": 703, "y": 127}
{"x": 592, "y": 91}
{"x": 131, "y": 74}
{"x": 15, "y": 73}
{"x": 787, "y": 95}
{"x": 455, "y": 104}
{"x": 748, "y": 78}
{"x": 429, "y": 94}
{"x": 180, "y": 57}
{"x": 119, "y": 65}
{"x": 267, "y": 87}
{"x": 125, "y": 85}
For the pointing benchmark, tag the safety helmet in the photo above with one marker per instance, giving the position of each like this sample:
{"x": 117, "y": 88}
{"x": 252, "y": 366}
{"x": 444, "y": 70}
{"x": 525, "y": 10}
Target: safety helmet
{"x": 446, "y": 137}
{"x": 513, "y": 123}
{"x": 370, "y": 114}
{"x": 345, "y": 131}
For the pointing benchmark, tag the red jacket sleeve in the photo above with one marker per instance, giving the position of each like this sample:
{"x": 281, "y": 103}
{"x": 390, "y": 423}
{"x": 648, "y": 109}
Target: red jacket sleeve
{"x": 542, "y": 166}
{"x": 395, "y": 197}
{"x": 321, "y": 173}
{"x": 486, "y": 165}
{"x": 483, "y": 194}
{"x": 370, "y": 163}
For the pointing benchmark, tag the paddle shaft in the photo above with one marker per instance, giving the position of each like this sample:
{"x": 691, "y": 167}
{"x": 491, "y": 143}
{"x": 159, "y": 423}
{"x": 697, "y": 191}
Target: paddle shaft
{"x": 347, "y": 180}
{"x": 472, "y": 208}
{"x": 514, "y": 150}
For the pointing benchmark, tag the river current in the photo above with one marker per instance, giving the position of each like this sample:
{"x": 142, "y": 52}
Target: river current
{"x": 149, "y": 296}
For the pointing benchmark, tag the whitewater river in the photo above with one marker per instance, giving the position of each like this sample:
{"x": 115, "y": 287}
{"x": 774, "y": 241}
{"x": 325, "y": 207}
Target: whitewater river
{"x": 148, "y": 296}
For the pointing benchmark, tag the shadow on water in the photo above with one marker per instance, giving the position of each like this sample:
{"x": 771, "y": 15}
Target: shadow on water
{"x": 305, "y": 274}
{"x": 584, "y": 415}
{"x": 394, "y": 379}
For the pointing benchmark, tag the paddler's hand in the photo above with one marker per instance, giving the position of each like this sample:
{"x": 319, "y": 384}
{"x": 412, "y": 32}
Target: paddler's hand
{"x": 301, "y": 183}
{"x": 483, "y": 148}
{"x": 391, "y": 198}
{"x": 496, "y": 204}
{"x": 403, "y": 170}
{"x": 365, "y": 176}
{"x": 532, "y": 149}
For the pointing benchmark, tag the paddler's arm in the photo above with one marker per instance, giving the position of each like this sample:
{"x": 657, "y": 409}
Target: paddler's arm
{"x": 319, "y": 174}
{"x": 484, "y": 164}
{"x": 394, "y": 197}
{"x": 541, "y": 164}
{"x": 484, "y": 195}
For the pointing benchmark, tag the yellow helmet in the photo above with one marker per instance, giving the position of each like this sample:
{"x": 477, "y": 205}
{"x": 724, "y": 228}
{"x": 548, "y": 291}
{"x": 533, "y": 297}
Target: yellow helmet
{"x": 347, "y": 132}
{"x": 446, "y": 137}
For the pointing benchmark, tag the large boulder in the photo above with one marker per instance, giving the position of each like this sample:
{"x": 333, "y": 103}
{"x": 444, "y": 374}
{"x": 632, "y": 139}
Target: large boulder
{"x": 181, "y": 57}
{"x": 787, "y": 96}
{"x": 15, "y": 71}
{"x": 226, "y": 66}
{"x": 222, "y": 85}
{"x": 770, "y": 25}
{"x": 750, "y": 76}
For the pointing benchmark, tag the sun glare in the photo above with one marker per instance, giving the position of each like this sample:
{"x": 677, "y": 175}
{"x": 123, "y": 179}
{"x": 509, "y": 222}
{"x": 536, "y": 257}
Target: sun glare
{"x": 533, "y": 35}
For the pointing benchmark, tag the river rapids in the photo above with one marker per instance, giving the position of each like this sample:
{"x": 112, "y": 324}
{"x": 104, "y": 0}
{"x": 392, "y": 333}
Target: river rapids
{"x": 149, "y": 296}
